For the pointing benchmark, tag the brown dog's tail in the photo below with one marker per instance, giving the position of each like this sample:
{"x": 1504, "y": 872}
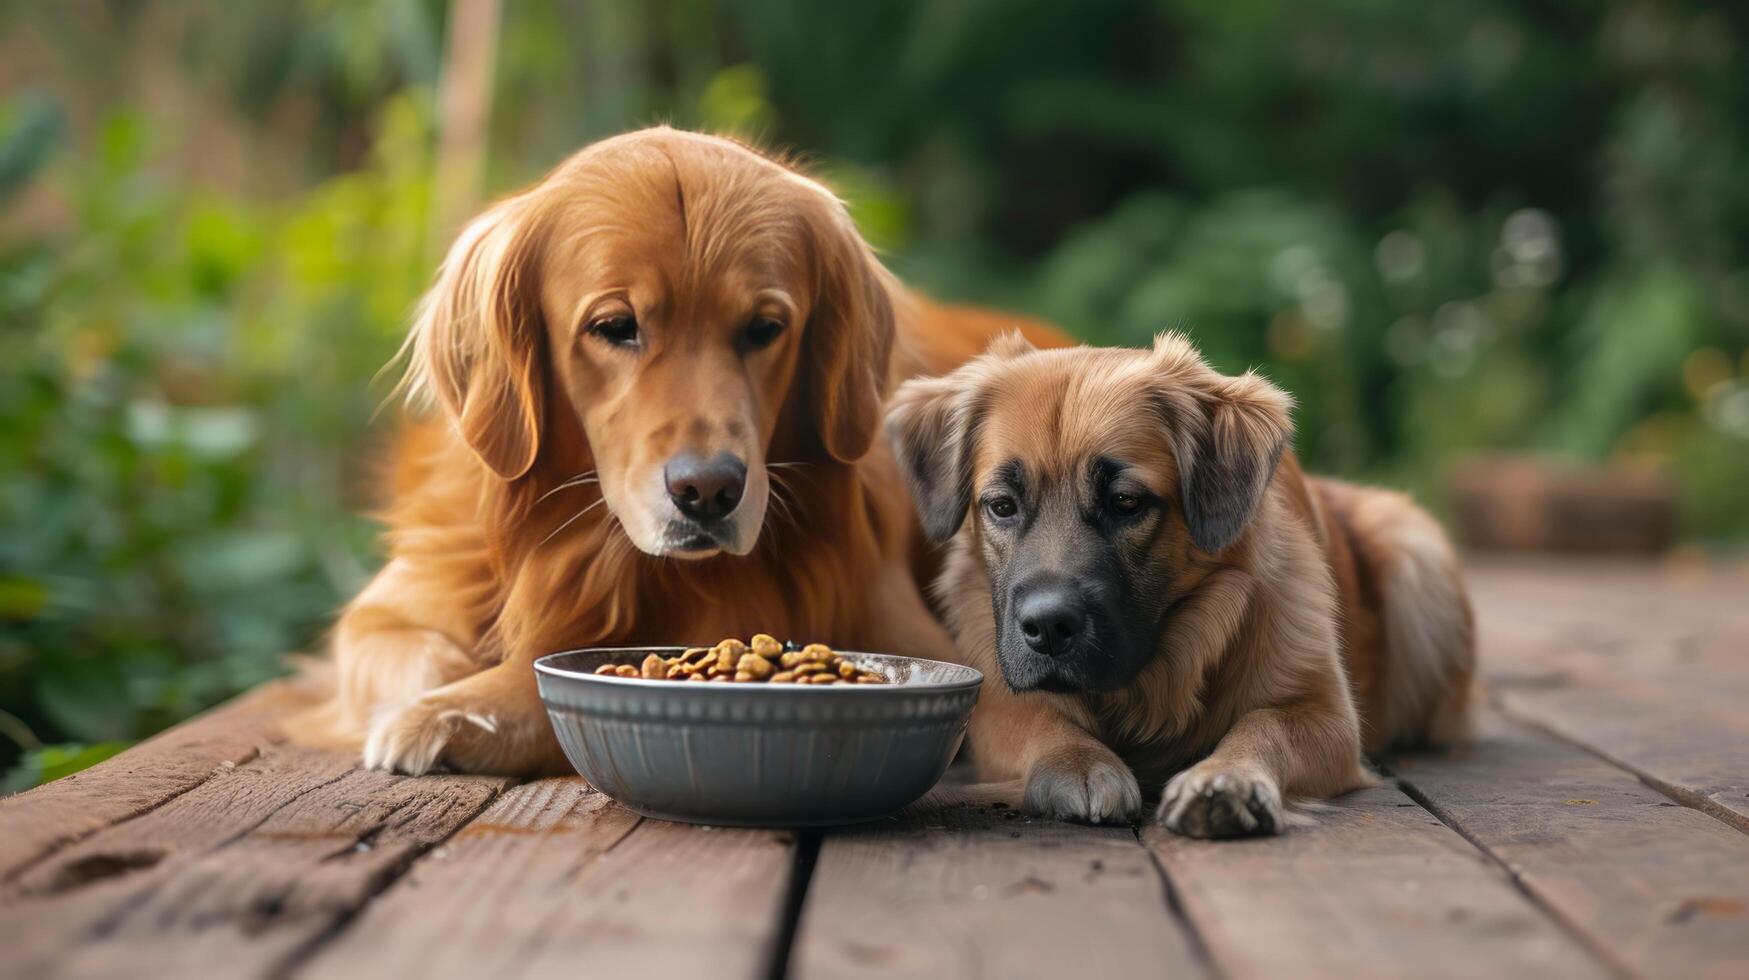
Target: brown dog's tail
{"x": 1429, "y": 629}
{"x": 1411, "y": 635}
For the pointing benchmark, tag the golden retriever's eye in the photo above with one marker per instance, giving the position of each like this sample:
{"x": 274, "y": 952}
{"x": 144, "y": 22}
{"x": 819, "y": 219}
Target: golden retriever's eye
{"x": 1001, "y": 508}
{"x": 761, "y": 333}
{"x": 1125, "y": 504}
{"x": 620, "y": 330}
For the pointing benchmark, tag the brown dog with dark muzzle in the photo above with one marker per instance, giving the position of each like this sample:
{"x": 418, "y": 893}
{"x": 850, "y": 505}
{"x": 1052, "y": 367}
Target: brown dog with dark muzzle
{"x": 1165, "y": 597}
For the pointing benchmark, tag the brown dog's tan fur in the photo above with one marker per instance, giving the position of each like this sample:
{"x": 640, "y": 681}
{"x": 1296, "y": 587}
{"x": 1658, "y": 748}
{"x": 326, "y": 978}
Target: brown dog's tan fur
{"x": 519, "y": 506}
{"x": 1335, "y": 620}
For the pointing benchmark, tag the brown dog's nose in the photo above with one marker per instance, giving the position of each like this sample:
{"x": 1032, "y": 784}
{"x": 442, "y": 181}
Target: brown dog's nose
{"x": 705, "y": 489}
{"x": 1052, "y": 619}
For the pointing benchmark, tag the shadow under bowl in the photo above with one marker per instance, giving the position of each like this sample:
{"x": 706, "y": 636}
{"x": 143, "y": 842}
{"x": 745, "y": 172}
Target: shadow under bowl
{"x": 769, "y": 755}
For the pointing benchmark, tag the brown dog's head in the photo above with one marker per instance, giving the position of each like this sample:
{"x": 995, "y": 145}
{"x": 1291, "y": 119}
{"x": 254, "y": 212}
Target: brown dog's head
{"x": 1100, "y": 486}
{"x": 667, "y": 309}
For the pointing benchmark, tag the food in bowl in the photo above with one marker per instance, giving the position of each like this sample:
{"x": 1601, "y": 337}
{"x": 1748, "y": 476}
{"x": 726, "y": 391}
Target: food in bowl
{"x": 760, "y": 660}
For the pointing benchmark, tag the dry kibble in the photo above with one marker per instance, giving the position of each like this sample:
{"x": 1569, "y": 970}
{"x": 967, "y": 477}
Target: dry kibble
{"x": 765, "y": 645}
{"x": 754, "y": 666}
{"x": 760, "y": 660}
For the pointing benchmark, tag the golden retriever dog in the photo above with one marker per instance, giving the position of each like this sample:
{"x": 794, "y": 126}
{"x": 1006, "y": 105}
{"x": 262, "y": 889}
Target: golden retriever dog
{"x": 1166, "y": 598}
{"x": 656, "y": 380}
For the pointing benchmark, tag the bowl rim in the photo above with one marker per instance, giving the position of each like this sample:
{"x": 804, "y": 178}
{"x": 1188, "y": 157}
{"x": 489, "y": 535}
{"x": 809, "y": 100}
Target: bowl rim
{"x": 543, "y": 665}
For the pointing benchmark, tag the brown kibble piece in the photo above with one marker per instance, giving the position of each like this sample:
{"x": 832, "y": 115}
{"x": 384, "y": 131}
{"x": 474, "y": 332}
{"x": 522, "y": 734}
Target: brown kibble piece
{"x": 810, "y": 668}
{"x": 765, "y": 645}
{"x": 695, "y": 676}
{"x": 871, "y": 679}
{"x": 783, "y": 677}
{"x": 754, "y": 665}
{"x": 626, "y": 670}
{"x": 820, "y": 679}
{"x": 653, "y": 667}
{"x": 817, "y": 652}
{"x": 607, "y": 669}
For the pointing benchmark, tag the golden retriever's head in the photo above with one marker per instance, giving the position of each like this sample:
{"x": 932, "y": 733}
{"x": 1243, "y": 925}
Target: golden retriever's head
{"x": 669, "y": 310}
{"x": 1101, "y": 485}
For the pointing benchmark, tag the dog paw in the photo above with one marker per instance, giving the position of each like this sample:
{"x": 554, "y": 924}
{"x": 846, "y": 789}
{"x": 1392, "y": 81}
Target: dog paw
{"x": 412, "y": 739}
{"x": 1088, "y": 785}
{"x": 1202, "y": 802}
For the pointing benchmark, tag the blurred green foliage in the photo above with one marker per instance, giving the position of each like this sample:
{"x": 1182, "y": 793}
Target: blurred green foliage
{"x": 1446, "y": 227}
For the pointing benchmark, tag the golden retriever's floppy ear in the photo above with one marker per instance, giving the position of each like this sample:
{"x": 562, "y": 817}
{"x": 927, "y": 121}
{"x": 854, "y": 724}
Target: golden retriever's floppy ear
{"x": 849, "y": 336}
{"x": 1228, "y": 434}
{"x": 477, "y": 343}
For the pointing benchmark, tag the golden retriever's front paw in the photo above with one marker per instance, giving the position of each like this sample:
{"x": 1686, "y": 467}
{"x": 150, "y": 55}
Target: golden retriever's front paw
{"x": 412, "y": 739}
{"x": 1213, "y": 802}
{"x": 1089, "y": 784}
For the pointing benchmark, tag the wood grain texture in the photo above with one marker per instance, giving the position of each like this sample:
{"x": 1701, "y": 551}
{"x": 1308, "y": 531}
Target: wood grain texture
{"x": 1649, "y": 674}
{"x": 960, "y": 889}
{"x": 1660, "y": 889}
{"x": 257, "y": 904}
{"x": 35, "y": 823}
{"x": 556, "y": 880}
{"x": 83, "y": 890}
{"x": 1376, "y": 888}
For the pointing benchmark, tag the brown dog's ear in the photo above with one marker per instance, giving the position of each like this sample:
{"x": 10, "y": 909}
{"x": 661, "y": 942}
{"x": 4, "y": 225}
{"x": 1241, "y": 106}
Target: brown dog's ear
{"x": 849, "y": 337}
{"x": 478, "y": 340}
{"x": 929, "y": 423}
{"x": 1228, "y": 434}
{"x": 932, "y": 424}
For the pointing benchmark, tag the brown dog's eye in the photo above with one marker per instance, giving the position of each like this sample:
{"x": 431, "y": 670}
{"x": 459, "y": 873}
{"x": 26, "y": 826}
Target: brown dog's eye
{"x": 1002, "y": 508}
{"x": 761, "y": 333}
{"x": 620, "y": 330}
{"x": 1125, "y": 504}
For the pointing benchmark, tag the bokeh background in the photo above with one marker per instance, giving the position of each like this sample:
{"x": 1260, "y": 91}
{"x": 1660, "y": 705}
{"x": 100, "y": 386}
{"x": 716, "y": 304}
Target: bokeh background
{"x": 1453, "y": 228}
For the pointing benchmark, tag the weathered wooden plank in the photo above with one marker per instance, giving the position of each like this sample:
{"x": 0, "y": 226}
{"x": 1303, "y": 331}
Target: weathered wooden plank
{"x": 962, "y": 889}
{"x": 83, "y": 889}
{"x": 1662, "y": 889}
{"x": 554, "y": 880}
{"x": 1376, "y": 888}
{"x": 35, "y": 823}
{"x": 1675, "y": 717}
{"x": 258, "y": 903}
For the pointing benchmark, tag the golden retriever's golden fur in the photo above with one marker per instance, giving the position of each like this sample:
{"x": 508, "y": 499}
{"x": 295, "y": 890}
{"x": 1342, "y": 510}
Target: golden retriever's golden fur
{"x": 1300, "y": 620}
{"x": 659, "y": 293}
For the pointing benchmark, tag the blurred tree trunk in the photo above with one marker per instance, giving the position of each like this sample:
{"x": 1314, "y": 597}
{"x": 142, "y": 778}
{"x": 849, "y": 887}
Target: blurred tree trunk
{"x": 464, "y": 108}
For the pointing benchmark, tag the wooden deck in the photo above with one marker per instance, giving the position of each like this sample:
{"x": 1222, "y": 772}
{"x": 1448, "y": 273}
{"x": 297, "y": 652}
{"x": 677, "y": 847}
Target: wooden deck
{"x": 1600, "y": 826}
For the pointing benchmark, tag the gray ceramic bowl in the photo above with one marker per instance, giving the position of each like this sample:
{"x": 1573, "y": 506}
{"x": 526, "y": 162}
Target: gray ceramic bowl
{"x": 758, "y": 754}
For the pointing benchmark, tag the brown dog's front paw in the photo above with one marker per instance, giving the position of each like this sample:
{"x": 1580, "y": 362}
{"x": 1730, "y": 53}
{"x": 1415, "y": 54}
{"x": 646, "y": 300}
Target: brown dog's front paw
{"x": 1087, "y": 784}
{"x": 1202, "y": 802}
{"x": 413, "y": 739}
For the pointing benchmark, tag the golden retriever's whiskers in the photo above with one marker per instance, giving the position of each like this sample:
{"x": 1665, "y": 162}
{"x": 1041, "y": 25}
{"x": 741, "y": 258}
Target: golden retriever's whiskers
{"x": 575, "y": 481}
{"x": 572, "y": 520}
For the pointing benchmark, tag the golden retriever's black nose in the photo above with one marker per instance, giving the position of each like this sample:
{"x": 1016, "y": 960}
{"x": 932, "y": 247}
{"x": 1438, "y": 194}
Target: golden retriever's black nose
{"x": 705, "y": 489}
{"x": 1052, "y": 618}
